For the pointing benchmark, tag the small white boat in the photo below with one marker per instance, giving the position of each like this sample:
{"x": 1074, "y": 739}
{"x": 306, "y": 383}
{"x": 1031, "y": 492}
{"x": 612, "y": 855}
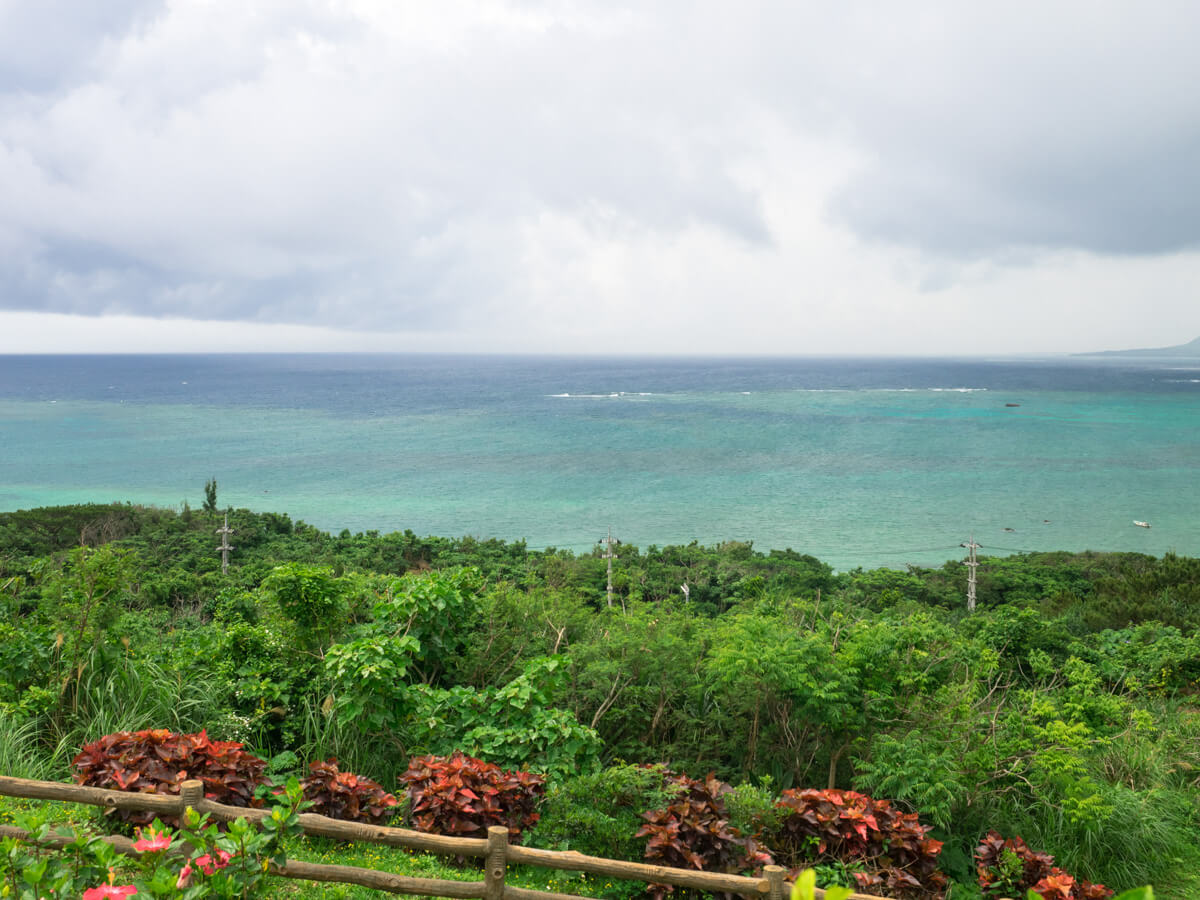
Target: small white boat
{"x": 1141, "y": 524}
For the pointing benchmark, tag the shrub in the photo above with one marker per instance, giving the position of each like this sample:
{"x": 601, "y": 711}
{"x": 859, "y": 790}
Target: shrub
{"x": 752, "y": 807}
{"x": 513, "y": 724}
{"x": 693, "y": 832}
{"x": 894, "y": 854}
{"x": 1010, "y": 867}
{"x": 344, "y": 795}
{"x": 597, "y": 813}
{"x": 309, "y": 596}
{"x": 462, "y": 796}
{"x": 159, "y": 761}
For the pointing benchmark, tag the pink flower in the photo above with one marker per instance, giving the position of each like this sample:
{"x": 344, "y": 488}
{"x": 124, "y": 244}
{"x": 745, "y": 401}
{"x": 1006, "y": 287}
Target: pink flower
{"x": 209, "y": 865}
{"x": 109, "y": 890}
{"x": 185, "y": 877}
{"x": 157, "y": 840}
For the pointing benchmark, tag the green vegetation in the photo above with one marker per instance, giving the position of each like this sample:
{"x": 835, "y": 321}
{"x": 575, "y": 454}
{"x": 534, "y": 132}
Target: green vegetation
{"x": 210, "y": 496}
{"x": 1063, "y": 711}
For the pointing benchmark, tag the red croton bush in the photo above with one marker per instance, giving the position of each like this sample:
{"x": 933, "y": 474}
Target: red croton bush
{"x": 897, "y": 856}
{"x": 693, "y": 832}
{"x": 462, "y": 796}
{"x": 1010, "y": 867}
{"x": 344, "y": 795}
{"x": 158, "y": 761}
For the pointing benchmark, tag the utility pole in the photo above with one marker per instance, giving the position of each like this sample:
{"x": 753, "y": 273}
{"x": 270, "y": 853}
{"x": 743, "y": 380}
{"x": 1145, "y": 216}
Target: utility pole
{"x": 609, "y": 542}
{"x": 225, "y": 531}
{"x": 972, "y": 565}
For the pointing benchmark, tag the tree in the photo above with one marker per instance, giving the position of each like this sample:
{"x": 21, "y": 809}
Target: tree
{"x": 210, "y": 496}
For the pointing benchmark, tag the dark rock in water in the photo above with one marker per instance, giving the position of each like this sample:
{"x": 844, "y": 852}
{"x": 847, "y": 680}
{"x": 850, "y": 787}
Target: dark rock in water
{"x": 1012, "y": 404}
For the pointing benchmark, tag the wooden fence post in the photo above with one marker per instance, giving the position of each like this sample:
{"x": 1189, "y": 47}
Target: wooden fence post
{"x": 775, "y": 880}
{"x": 191, "y": 792}
{"x": 494, "y": 869}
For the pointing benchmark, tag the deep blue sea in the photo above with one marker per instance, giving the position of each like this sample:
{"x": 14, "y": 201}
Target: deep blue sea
{"x": 861, "y": 462}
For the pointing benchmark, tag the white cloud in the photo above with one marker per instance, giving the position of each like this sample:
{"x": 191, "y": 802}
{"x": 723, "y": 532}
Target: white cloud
{"x": 37, "y": 332}
{"x": 595, "y": 177}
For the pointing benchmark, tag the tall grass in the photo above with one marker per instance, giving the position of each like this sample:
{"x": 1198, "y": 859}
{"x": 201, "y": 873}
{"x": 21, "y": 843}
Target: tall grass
{"x": 122, "y": 694}
{"x": 1148, "y": 838}
{"x": 321, "y": 737}
{"x": 23, "y": 753}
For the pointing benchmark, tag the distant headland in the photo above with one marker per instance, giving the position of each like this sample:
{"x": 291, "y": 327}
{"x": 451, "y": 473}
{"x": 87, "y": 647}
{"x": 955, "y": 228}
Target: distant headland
{"x": 1192, "y": 348}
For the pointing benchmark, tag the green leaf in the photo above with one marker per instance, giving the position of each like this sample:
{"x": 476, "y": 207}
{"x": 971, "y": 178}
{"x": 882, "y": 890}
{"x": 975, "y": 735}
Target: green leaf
{"x": 838, "y": 892}
{"x": 36, "y": 872}
{"x": 805, "y": 887}
{"x": 1142, "y": 893}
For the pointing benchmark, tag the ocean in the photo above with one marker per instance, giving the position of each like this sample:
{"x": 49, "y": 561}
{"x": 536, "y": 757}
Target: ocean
{"x": 860, "y": 462}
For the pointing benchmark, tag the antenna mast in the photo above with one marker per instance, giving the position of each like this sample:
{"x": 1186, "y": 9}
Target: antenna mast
{"x": 609, "y": 542}
{"x": 225, "y": 531}
{"x": 972, "y": 565}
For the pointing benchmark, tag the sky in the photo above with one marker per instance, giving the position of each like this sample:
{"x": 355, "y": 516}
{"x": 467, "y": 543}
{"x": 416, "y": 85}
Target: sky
{"x": 936, "y": 178}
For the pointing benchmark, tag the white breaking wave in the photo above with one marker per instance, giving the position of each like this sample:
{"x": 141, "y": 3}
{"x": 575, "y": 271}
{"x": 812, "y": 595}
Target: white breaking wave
{"x": 614, "y": 395}
{"x": 617, "y": 395}
{"x": 918, "y": 390}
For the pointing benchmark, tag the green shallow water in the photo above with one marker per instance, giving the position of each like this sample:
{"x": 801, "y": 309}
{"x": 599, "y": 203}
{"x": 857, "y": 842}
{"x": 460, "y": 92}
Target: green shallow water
{"x": 857, "y": 462}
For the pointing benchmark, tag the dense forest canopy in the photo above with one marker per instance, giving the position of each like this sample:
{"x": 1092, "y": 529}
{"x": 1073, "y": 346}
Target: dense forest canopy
{"x": 1064, "y": 709}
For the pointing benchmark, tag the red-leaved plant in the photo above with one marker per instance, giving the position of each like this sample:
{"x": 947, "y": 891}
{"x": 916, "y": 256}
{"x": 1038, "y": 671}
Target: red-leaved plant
{"x": 344, "y": 795}
{"x": 462, "y": 796}
{"x": 896, "y": 857}
{"x": 158, "y": 761}
{"x": 1009, "y": 866}
{"x": 693, "y": 832}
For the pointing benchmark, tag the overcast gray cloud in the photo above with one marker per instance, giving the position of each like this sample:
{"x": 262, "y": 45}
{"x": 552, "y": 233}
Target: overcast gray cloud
{"x": 328, "y": 156}
{"x": 52, "y": 43}
{"x": 1044, "y": 126}
{"x": 426, "y": 167}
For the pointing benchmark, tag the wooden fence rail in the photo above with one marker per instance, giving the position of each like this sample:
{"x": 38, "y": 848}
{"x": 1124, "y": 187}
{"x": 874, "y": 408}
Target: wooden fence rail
{"x": 496, "y": 850}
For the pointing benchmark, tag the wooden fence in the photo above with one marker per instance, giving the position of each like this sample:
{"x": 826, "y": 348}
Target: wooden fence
{"x": 495, "y": 849}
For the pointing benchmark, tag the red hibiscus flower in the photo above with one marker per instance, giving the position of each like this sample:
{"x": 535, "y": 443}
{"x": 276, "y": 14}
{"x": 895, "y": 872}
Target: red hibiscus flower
{"x": 151, "y": 841}
{"x": 109, "y": 890}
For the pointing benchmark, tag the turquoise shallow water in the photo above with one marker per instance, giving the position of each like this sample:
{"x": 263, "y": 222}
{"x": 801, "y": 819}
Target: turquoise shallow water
{"x": 859, "y": 462}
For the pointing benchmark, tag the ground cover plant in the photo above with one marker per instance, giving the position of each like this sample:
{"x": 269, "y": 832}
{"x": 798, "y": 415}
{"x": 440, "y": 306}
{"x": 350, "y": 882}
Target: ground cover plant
{"x": 345, "y": 795}
{"x": 159, "y": 761}
{"x": 462, "y": 796}
{"x": 891, "y": 850}
{"x": 1007, "y": 866}
{"x": 1064, "y": 710}
{"x": 693, "y": 831}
